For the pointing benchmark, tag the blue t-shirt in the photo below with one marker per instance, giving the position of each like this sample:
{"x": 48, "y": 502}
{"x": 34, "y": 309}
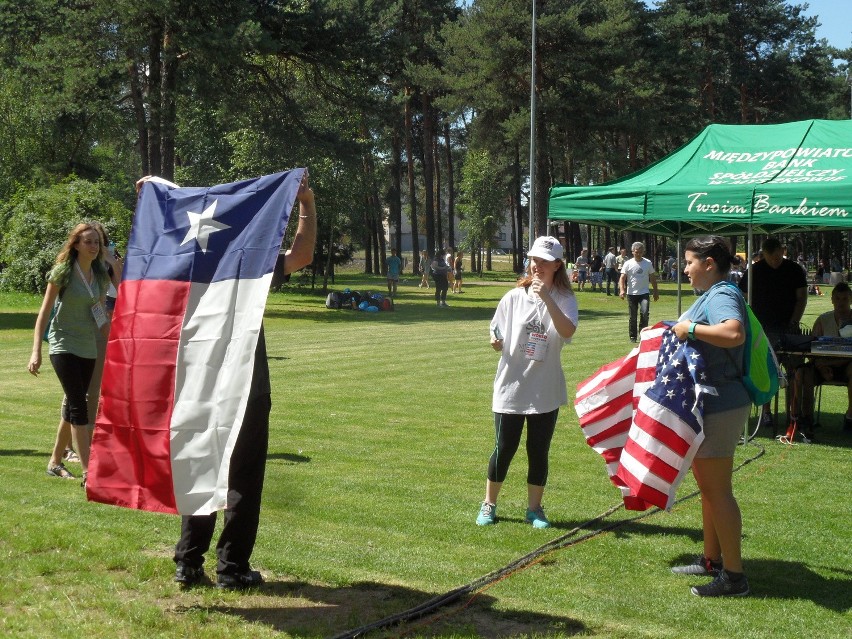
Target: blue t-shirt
{"x": 724, "y": 365}
{"x": 394, "y": 266}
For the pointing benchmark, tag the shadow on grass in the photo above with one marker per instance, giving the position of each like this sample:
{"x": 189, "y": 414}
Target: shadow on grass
{"x": 22, "y": 452}
{"x": 415, "y": 313}
{"x": 793, "y": 580}
{"x": 290, "y": 458}
{"x": 302, "y": 609}
{"x": 17, "y": 321}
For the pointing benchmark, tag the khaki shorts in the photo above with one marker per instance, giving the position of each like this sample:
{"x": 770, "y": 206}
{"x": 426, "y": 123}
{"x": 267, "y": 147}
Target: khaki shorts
{"x": 722, "y": 432}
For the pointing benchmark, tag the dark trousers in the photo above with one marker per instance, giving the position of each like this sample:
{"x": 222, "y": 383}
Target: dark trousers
{"x": 242, "y": 516}
{"x": 611, "y": 278}
{"x": 638, "y": 305}
{"x": 508, "y": 429}
{"x": 441, "y": 286}
{"x": 74, "y": 374}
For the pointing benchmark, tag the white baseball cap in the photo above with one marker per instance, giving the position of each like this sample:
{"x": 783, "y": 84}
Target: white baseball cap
{"x": 546, "y": 247}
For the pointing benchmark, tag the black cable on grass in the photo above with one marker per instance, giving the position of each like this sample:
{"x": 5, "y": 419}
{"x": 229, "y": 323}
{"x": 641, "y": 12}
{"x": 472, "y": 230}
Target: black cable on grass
{"x": 565, "y": 541}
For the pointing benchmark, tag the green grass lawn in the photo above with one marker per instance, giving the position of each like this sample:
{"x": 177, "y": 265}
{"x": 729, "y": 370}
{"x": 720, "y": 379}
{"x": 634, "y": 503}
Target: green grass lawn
{"x": 381, "y": 431}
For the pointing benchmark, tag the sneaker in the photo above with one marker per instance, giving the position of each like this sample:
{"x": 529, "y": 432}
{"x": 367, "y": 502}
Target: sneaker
{"x": 537, "y": 518}
{"x": 701, "y": 567}
{"x": 723, "y": 586}
{"x": 59, "y": 471}
{"x": 188, "y": 576}
{"x": 487, "y": 514}
{"x": 240, "y": 580}
{"x": 444, "y": 304}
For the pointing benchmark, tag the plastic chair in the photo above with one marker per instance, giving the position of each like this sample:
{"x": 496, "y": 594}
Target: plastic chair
{"x": 818, "y": 393}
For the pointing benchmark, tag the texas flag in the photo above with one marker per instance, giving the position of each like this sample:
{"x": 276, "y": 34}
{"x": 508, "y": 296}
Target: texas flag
{"x": 181, "y": 349}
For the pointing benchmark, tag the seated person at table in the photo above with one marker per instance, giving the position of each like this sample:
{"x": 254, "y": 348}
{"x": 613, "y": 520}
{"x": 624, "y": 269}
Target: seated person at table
{"x": 825, "y": 369}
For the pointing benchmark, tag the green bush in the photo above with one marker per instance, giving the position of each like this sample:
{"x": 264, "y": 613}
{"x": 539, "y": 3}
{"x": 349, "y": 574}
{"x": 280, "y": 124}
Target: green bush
{"x": 36, "y": 223}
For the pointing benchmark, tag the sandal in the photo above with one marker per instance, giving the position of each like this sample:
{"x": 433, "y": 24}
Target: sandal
{"x": 71, "y": 456}
{"x": 59, "y": 471}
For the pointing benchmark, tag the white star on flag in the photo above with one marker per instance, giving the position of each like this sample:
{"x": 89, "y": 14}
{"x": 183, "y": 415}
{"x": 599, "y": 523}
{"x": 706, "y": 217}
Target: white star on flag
{"x": 202, "y": 225}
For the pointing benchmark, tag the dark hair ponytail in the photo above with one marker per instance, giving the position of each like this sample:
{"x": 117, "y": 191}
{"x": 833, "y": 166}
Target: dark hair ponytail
{"x": 712, "y": 246}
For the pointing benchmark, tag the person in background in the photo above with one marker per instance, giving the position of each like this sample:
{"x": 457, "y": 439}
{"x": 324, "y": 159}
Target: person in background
{"x": 440, "y": 271}
{"x": 114, "y": 265}
{"x": 824, "y": 369}
{"x": 596, "y": 271}
{"x": 620, "y": 259}
{"x": 716, "y": 324}
{"x": 530, "y": 326}
{"x": 424, "y": 269}
{"x": 610, "y": 269}
{"x": 448, "y": 258}
{"x": 458, "y": 272}
{"x": 394, "y": 266}
{"x": 581, "y": 264}
{"x": 76, "y": 287}
{"x": 779, "y": 295}
{"x": 637, "y": 278}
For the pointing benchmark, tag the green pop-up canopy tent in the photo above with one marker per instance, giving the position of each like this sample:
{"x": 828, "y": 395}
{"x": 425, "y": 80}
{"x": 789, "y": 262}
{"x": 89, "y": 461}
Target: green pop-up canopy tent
{"x": 729, "y": 180}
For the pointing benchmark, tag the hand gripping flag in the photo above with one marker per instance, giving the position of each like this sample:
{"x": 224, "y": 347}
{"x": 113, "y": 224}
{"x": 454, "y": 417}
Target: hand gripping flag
{"x": 644, "y": 414}
{"x": 181, "y": 348}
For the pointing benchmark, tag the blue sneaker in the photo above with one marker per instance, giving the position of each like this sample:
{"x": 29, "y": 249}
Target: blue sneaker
{"x": 487, "y": 514}
{"x": 537, "y": 518}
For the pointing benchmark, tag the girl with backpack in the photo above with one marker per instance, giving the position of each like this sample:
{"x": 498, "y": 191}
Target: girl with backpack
{"x": 716, "y": 322}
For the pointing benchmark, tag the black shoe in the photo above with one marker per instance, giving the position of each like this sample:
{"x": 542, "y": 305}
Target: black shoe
{"x": 722, "y": 586}
{"x": 187, "y": 576}
{"x": 239, "y": 581}
{"x": 701, "y": 567}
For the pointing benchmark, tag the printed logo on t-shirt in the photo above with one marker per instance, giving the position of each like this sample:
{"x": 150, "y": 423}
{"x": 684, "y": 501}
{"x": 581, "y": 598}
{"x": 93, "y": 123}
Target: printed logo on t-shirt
{"x": 535, "y": 326}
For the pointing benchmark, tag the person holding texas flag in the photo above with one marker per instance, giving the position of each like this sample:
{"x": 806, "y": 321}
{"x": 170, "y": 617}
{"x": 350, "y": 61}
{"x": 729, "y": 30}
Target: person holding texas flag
{"x": 184, "y": 420}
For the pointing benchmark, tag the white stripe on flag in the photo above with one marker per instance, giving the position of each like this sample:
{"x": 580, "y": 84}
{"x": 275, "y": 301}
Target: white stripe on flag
{"x": 215, "y": 360}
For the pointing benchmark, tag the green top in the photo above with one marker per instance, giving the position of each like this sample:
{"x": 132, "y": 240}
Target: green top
{"x": 73, "y": 328}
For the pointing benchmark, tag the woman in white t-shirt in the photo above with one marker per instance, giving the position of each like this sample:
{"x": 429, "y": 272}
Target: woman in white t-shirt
{"x": 529, "y": 328}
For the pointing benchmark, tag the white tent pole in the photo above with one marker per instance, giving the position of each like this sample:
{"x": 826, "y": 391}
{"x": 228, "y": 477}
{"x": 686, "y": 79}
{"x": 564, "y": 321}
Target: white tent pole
{"x": 679, "y": 272}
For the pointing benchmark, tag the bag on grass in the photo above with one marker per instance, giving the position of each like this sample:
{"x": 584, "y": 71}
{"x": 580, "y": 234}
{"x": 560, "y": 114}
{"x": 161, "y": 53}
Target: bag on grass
{"x": 333, "y": 300}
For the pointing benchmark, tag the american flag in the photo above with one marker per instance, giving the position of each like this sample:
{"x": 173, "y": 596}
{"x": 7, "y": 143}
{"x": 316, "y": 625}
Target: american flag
{"x": 644, "y": 414}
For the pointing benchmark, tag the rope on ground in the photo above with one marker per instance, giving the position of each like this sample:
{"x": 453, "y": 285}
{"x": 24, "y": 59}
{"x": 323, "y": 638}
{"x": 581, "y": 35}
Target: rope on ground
{"x": 563, "y": 541}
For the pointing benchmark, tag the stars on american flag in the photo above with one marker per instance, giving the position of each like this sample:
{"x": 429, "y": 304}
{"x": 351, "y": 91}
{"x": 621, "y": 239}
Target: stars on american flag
{"x": 680, "y": 366}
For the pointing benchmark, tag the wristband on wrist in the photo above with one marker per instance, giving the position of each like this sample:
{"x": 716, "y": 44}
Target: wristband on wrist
{"x": 691, "y": 332}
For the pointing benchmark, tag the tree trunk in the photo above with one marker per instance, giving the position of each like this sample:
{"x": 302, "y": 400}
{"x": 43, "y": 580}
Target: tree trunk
{"x": 451, "y": 189}
{"x": 395, "y": 203}
{"x": 412, "y": 192}
{"x": 169, "y": 109}
{"x": 433, "y": 226}
{"x": 436, "y": 160}
{"x": 155, "y": 53}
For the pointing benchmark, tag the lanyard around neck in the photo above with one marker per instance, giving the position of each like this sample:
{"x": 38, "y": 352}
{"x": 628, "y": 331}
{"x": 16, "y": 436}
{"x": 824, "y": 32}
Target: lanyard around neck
{"x": 83, "y": 278}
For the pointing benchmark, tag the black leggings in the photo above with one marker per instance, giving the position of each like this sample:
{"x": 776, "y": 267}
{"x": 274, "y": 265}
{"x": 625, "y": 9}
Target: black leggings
{"x": 508, "y": 430}
{"x": 441, "y": 286}
{"x": 74, "y": 374}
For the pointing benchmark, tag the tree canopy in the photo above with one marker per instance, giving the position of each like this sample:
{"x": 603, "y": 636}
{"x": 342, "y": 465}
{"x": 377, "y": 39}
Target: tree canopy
{"x": 387, "y": 101}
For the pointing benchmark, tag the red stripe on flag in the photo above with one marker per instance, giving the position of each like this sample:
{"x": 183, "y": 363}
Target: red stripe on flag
{"x": 664, "y": 434}
{"x": 131, "y": 462}
{"x": 651, "y": 461}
